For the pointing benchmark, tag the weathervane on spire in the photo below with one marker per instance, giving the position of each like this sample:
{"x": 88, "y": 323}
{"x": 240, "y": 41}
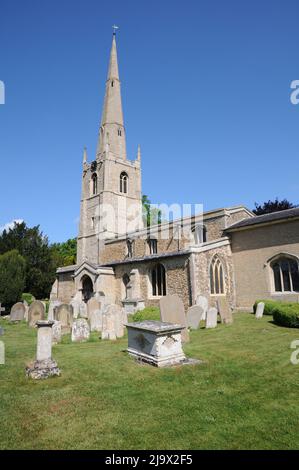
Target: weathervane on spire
{"x": 114, "y": 27}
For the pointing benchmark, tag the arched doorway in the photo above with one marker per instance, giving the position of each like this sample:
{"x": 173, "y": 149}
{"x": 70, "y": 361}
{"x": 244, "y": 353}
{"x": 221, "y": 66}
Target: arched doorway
{"x": 87, "y": 288}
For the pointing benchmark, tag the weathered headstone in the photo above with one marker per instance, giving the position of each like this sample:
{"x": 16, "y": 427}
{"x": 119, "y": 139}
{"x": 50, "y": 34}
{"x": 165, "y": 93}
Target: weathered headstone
{"x": 172, "y": 311}
{"x": 44, "y": 366}
{"x": 52, "y": 305}
{"x": 83, "y": 310}
{"x": 93, "y": 305}
{"x": 260, "y": 310}
{"x": 80, "y": 330}
{"x": 194, "y": 315}
{"x": 36, "y": 312}
{"x": 204, "y": 304}
{"x": 56, "y": 332}
{"x": 113, "y": 322}
{"x": 64, "y": 314}
{"x": 17, "y": 312}
{"x": 76, "y": 307}
{"x": 211, "y": 320}
{"x": 224, "y": 310}
{"x": 95, "y": 320}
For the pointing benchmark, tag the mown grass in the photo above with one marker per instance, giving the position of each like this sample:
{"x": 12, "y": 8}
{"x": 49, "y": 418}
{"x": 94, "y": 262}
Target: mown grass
{"x": 245, "y": 395}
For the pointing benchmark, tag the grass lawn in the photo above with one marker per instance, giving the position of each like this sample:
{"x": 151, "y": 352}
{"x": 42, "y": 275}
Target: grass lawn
{"x": 245, "y": 396}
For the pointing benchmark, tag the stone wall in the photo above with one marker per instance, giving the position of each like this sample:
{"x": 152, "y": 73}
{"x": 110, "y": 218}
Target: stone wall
{"x": 252, "y": 249}
{"x": 66, "y": 286}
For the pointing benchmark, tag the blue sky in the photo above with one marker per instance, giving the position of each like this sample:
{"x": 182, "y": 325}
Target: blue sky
{"x": 206, "y": 93}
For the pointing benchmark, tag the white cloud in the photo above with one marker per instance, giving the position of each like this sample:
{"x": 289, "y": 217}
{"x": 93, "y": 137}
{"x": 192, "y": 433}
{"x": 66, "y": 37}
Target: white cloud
{"x": 10, "y": 225}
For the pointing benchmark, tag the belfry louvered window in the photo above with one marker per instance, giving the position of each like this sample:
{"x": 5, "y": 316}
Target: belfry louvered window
{"x": 123, "y": 182}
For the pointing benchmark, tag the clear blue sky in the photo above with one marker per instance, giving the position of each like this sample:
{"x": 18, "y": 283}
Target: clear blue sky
{"x": 206, "y": 92}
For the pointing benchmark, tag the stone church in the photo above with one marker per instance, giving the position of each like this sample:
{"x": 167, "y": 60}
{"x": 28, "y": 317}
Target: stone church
{"x": 225, "y": 252}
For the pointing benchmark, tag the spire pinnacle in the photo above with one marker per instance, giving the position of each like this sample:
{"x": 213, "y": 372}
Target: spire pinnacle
{"x": 138, "y": 153}
{"x": 113, "y": 64}
{"x": 85, "y": 155}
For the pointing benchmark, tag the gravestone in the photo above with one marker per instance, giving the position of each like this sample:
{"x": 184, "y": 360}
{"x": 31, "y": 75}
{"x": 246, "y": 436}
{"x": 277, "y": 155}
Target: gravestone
{"x": 93, "y": 305}
{"x": 64, "y": 314}
{"x": 83, "y": 310}
{"x": 113, "y": 322}
{"x": 204, "y": 304}
{"x": 56, "y": 332}
{"x": 17, "y": 312}
{"x": 96, "y": 320}
{"x": 211, "y": 320}
{"x": 44, "y": 366}
{"x": 80, "y": 330}
{"x": 194, "y": 315}
{"x": 36, "y": 312}
{"x": 26, "y": 310}
{"x": 172, "y": 311}
{"x": 52, "y": 305}
{"x": 224, "y": 310}
{"x": 260, "y": 310}
{"x": 76, "y": 307}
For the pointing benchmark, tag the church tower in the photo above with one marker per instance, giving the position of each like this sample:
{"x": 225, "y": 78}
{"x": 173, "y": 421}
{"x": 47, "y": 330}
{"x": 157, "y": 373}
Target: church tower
{"x": 111, "y": 184}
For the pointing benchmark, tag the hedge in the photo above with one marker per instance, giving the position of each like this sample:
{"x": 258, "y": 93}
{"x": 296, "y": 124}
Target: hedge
{"x": 271, "y": 305}
{"x": 284, "y": 314}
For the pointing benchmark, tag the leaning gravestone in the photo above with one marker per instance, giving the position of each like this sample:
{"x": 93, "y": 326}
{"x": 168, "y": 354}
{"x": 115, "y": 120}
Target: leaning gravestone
{"x": 80, "y": 330}
{"x": 204, "y": 304}
{"x": 211, "y": 320}
{"x": 172, "y": 311}
{"x": 224, "y": 311}
{"x": 36, "y": 312}
{"x": 194, "y": 315}
{"x": 17, "y": 312}
{"x": 260, "y": 310}
{"x": 64, "y": 314}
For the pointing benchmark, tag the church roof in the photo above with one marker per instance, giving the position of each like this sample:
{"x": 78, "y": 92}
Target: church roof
{"x": 148, "y": 258}
{"x": 273, "y": 217}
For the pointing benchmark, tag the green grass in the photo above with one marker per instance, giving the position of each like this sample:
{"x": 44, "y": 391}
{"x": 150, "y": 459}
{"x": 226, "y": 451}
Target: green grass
{"x": 245, "y": 396}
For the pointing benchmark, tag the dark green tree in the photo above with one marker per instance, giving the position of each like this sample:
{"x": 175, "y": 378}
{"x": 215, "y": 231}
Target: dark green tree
{"x": 34, "y": 247}
{"x": 151, "y": 215}
{"x": 12, "y": 277}
{"x": 65, "y": 253}
{"x": 272, "y": 206}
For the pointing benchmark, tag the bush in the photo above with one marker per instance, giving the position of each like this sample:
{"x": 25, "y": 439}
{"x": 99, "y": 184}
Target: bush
{"x": 148, "y": 313}
{"x": 287, "y": 315}
{"x": 29, "y": 298}
{"x": 12, "y": 277}
{"x": 271, "y": 305}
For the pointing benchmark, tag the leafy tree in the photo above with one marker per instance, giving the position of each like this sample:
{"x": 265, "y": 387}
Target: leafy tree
{"x": 34, "y": 247}
{"x": 65, "y": 253}
{"x": 272, "y": 206}
{"x": 151, "y": 215}
{"x": 12, "y": 277}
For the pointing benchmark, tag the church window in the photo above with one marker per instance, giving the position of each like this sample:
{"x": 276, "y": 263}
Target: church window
{"x": 94, "y": 184}
{"x": 92, "y": 222}
{"x": 285, "y": 274}
{"x": 129, "y": 249}
{"x": 123, "y": 182}
{"x": 112, "y": 83}
{"x": 158, "y": 280}
{"x": 153, "y": 246}
{"x": 216, "y": 277}
{"x": 119, "y": 132}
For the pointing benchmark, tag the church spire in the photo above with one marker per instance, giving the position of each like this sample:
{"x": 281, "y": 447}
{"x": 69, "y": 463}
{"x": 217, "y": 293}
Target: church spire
{"x": 112, "y": 125}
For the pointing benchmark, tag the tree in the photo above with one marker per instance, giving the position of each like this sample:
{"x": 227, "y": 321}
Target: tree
{"x": 12, "y": 277}
{"x": 34, "y": 247}
{"x": 65, "y": 253}
{"x": 150, "y": 215}
{"x": 272, "y": 206}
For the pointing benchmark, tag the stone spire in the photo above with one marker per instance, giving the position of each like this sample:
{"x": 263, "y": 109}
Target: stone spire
{"x": 112, "y": 129}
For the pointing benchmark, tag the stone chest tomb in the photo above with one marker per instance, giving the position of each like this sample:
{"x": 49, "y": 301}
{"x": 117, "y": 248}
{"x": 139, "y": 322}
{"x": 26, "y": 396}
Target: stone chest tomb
{"x": 156, "y": 343}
